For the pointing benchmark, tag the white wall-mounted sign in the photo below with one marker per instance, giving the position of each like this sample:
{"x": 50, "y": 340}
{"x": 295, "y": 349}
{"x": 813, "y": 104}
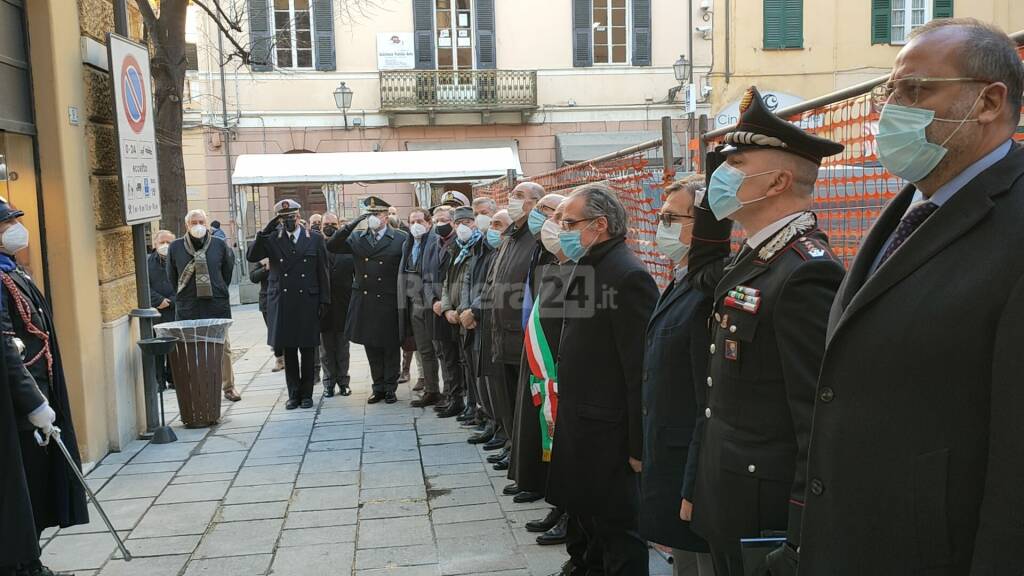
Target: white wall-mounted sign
{"x": 136, "y": 131}
{"x": 395, "y": 51}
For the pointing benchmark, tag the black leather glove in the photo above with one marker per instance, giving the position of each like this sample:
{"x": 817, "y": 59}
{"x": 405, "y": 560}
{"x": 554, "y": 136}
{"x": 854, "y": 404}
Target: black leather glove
{"x": 353, "y": 223}
{"x": 271, "y": 226}
{"x": 783, "y": 561}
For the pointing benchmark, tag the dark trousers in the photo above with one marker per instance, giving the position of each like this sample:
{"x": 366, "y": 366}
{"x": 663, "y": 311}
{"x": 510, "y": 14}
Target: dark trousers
{"x": 623, "y": 552}
{"x": 299, "y": 377}
{"x": 727, "y": 557}
{"x": 503, "y": 388}
{"x": 448, "y": 357}
{"x": 467, "y": 366}
{"x": 334, "y": 358}
{"x": 385, "y": 364}
{"x": 425, "y": 346}
{"x": 36, "y": 461}
{"x": 576, "y": 547}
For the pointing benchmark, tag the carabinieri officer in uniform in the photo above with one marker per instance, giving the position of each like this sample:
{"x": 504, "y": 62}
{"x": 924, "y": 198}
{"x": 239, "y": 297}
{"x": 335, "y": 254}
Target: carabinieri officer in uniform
{"x": 373, "y": 313}
{"x": 771, "y": 305}
{"x": 298, "y": 287}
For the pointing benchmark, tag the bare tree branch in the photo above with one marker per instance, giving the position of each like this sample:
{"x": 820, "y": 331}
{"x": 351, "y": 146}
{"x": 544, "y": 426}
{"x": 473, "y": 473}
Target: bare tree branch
{"x": 227, "y": 31}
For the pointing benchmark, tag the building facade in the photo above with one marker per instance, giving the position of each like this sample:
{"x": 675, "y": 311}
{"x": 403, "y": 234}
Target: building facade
{"x": 801, "y": 49}
{"x": 58, "y": 163}
{"x": 553, "y": 81}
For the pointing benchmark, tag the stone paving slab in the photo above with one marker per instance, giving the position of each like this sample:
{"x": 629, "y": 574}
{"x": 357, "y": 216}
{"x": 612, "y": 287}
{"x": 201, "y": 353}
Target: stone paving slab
{"x": 344, "y": 489}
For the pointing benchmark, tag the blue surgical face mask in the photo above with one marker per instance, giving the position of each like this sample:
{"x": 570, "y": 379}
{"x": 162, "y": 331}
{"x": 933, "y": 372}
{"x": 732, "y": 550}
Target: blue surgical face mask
{"x": 536, "y": 221}
{"x": 493, "y": 237}
{"x": 723, "y": 188}
{"x": 903, "y": 146}
{"x": 571, "y": 242}
{"x": 668, "y": 242}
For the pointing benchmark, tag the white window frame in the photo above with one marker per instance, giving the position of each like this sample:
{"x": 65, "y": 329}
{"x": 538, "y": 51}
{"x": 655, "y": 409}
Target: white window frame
{"x": 454, "y": 12}
{"x": 629, "y": 36}
{"x": 294, "y": 36}
{"x": 908, "y": 17}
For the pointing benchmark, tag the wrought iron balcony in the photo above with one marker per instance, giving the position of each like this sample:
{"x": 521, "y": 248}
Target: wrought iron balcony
{"x": 463, "y": 91}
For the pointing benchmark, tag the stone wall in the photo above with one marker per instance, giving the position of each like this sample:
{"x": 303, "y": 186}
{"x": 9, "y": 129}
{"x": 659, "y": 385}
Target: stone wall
{"x": 115, "y": 266}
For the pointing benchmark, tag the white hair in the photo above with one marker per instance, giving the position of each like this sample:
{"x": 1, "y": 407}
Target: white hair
{"x": 195, "y": 212}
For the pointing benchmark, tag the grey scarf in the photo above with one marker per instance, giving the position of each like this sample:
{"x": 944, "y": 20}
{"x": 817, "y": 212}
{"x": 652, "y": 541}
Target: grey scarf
{"x": 198, "y": 268}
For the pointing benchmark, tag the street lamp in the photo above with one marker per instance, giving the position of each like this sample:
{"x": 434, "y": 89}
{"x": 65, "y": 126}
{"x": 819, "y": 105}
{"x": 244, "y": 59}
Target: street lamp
{"x": 681, "y": 69}
{"x": 343, "y": 99}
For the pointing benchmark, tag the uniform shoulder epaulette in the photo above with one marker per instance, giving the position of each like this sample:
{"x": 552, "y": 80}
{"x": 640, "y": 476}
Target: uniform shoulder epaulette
{"x": 811, "y": 248}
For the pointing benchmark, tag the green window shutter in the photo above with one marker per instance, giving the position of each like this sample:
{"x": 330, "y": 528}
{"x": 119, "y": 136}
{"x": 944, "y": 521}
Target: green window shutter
{"x": 261, "y": 36}
{"x": 423, "y": 24}
{"x": 881, "y": 21}
{"x": 942, "y": 9}
{"x": 793, "y": 26}
{"x": 641, "y": 32}
{"x": 773, "y": 23}
{"x": 323, "y": 34}
{"x": 582, "y": 33}
{"x": 486, "y": 58}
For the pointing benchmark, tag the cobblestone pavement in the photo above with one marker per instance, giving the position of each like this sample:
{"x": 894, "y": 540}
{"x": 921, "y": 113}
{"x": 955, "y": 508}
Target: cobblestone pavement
{"x": 344, "y": 488}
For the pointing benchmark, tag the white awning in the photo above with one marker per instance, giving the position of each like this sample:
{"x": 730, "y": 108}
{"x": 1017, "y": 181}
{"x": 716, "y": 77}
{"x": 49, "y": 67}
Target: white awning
{"x": 403, "y": 166}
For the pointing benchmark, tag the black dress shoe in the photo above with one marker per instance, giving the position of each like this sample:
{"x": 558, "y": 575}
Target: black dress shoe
{"x": 419, "y": 385}
{"x": 494, "y": 444}
{"x": 307, "y": 403}
{"x": 480, "y": 438}
{"x": 454, "y": 409}
{"x": 501, "y": 464}
{"x": 291, "y": 405}
{"x": 442, "y": 404}
{"x": 428, "y": 399}
{"x": 546, "y": 523}
{"x": 511, "y": 489}
{"x": 390, "y": 398}
{"x": 344, "y": 390}
{"x": 527, "y": 497}
{"x": 557, "y": 533}
{"x": 468, "y": 415}
{"x": 497, "y": 457}
{"x": 328, "y": 391}
{"x": 374, "y": 398}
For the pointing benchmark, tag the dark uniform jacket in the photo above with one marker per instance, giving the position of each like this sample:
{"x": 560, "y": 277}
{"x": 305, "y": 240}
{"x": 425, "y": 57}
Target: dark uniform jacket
{"x": 341, "y": 268}
{"x": 917, "y": 452}
{"x": 414, "y": 285}
{"x": 221, "y": 262}
{"x": 159, "y": 286}
{"x": 373, "y": 312}
{"x": 258, "y": 275}
{"x": 442, "y": 329}
{"x": 600, "y": 357}
{"x": 297, "y": 285}
{"x": 763, "y": 373}
{"x": 674, "y": 397}
{"x": 19, "y": 542}
{"x": 503, "y": 293}
{"x": 36, "y": 372}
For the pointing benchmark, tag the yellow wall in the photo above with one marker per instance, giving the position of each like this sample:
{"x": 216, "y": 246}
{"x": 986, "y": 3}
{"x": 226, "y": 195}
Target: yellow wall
{"x": 837, "y": 49}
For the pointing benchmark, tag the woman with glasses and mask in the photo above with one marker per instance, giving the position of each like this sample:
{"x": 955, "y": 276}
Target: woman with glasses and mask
{"x": 674, "y": 391}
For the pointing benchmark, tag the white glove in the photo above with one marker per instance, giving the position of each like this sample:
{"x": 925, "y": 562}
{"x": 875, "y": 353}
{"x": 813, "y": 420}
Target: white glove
{"x": 43, "y": 418}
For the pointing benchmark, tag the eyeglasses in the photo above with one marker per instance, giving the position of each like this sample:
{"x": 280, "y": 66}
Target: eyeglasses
{"x": 907, "y": 91}
{"x": 668, "y": 218}
{"x": 568, "y": 224}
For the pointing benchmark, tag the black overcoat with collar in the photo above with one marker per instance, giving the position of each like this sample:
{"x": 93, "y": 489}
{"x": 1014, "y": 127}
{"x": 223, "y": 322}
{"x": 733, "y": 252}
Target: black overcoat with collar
{"x": 373, "y": 318}
{"x": 298, "y": 285}
{"x": 917, "y": 451}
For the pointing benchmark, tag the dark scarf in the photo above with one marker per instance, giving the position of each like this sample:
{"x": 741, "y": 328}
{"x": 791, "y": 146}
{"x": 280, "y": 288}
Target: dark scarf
{"x": 198, "y": 267}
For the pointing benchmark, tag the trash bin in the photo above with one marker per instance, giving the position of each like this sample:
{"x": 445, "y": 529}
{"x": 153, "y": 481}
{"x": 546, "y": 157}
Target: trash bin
{"x": 196, "y": 366}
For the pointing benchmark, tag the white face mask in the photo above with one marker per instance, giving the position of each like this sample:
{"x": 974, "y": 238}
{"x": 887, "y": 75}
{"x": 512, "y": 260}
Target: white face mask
{"x": 373, "y": 222}
{"x": 14, "y": 239}
{"x": 162, "y": 249}
{"x": 464, "y": 233}
{"x": 198, "y": 231}
{"x": 549, "y": 237}
{"x": 483, "y": 222}
{"x": 515, "y": 208}
{"x": 417, "y": 230}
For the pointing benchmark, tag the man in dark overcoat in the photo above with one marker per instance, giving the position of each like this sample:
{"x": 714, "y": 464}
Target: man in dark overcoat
{"x": 199, "y": 266}
{"x": 373, "y": 314}
{"x": 26, "y": 319}
{"x": 161, "y": 291}
{"x": 298, "y": 287}
{"x": 598, "y": 441}
{"x": 917, "y": 453}
{"x": 767, "y": 333}
{"x": 334, "y": 346}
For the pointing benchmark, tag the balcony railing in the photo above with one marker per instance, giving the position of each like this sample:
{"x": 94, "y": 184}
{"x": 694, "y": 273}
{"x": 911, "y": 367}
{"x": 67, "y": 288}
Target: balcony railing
{"x": 462, "y": 91}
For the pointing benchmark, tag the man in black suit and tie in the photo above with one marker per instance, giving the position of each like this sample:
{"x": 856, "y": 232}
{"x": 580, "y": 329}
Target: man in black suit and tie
{"x": 915, "y": 463}
{"x": 298, "y": 286}
{"x": 373, "y": 313}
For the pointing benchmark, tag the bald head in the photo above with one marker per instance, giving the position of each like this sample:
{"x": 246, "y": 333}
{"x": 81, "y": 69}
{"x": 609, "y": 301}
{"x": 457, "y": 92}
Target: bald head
{"x": 501, "y": 221}
{"x": 529, "y": 190}
{"x": 549, "y": 203}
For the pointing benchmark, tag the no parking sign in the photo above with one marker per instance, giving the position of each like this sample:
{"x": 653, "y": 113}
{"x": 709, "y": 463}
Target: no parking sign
{"x": 136, "y": 131}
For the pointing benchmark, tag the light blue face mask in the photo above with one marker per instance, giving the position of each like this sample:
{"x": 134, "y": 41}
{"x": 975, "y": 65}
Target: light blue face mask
{"x": 723, "y": 188}
{"x": 903, "y": 146}
{"x": 536, "y": 221}
{"x": 493, "y": 237}
{"x": 571, "y": 242}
